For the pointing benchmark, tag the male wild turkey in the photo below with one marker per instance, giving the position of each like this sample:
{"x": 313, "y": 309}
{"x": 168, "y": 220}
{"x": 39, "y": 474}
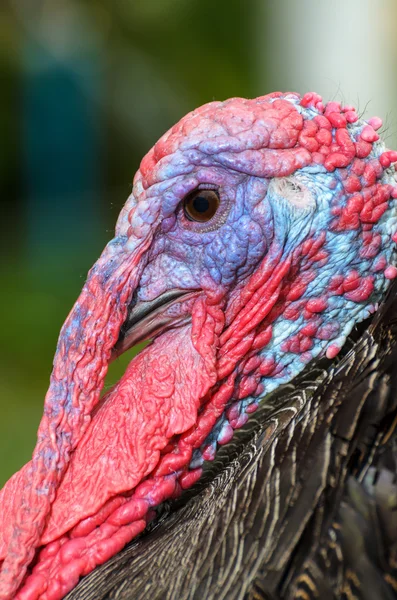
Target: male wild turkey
{"x": 255, "y": 248}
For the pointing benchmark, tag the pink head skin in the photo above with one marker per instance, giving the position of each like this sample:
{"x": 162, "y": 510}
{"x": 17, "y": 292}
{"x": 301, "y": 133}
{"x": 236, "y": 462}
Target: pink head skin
{"x": 300, "y": 249}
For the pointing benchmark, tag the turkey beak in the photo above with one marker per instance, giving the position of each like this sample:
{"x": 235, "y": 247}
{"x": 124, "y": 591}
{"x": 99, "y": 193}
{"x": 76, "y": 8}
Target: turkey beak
{"x": 148, "y": 319}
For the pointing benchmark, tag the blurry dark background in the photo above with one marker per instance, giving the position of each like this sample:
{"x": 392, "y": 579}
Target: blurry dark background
{"x": 87, "y": 87}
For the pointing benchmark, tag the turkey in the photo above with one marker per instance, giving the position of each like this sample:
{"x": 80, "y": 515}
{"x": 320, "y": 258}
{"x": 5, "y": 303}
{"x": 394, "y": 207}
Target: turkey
{"x": 249, "y": 451}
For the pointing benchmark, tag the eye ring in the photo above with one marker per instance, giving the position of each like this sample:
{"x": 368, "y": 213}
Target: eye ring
{"x": 201, "y": 205}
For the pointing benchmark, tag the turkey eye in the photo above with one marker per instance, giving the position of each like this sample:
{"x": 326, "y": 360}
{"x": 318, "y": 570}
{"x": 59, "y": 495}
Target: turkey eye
{"x": 201, "y": 205}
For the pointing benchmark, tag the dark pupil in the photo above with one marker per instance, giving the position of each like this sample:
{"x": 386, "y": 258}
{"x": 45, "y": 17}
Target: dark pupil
{"x": 201, "y": 204}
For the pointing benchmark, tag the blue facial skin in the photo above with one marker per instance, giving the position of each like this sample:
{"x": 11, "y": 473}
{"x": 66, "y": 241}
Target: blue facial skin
{"x": 255, "y": 221}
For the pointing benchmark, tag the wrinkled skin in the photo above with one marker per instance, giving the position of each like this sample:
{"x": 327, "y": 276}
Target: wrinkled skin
{"x": 300, "y": 248}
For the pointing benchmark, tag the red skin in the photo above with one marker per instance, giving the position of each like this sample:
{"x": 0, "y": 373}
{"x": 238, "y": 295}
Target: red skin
{"x": 96, "y": 474}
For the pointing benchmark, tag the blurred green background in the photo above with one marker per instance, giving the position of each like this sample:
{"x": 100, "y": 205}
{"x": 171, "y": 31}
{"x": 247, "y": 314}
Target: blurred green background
{"x": 86, "y": 89}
